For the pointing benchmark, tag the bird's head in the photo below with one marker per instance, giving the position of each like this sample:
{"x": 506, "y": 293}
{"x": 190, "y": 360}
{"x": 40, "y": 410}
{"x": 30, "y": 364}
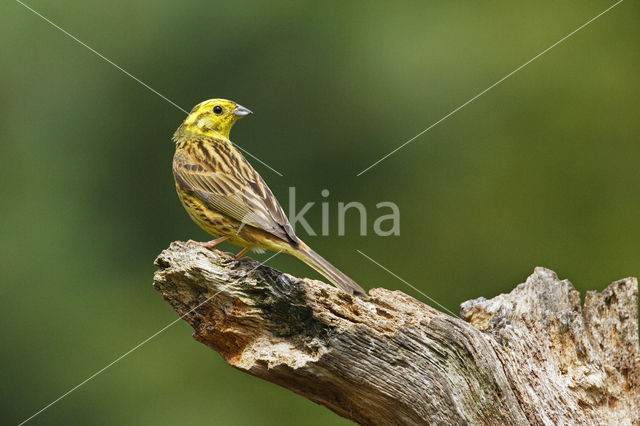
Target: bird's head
{"x": 215, "y": 116}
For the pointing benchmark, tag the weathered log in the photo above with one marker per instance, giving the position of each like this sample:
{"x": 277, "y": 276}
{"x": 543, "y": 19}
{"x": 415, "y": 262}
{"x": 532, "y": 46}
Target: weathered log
{"x": 532, "y": 356}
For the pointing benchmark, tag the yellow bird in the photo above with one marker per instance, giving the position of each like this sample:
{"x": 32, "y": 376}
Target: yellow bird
{"x": 227, "y": 198}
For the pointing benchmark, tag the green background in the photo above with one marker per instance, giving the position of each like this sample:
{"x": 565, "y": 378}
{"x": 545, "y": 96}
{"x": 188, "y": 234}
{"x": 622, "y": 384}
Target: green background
{"x": 541, "y": 170}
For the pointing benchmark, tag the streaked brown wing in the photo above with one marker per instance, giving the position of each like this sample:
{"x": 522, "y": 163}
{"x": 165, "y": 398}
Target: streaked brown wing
{"x": 234, "y": 189}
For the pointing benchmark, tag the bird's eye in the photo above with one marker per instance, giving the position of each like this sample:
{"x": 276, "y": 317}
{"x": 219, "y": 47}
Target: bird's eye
{"x": 217, "y": 109}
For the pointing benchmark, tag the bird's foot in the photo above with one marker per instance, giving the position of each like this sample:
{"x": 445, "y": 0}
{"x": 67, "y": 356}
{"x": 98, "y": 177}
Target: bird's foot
{"x": 242, "y": 252}
{"x": 210, "y": 244}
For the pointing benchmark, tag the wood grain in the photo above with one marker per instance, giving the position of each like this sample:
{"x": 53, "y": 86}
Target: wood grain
{"x": 533, "y": 356}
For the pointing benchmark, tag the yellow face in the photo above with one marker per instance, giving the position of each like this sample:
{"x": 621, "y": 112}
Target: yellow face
{"x": 214, "y": 116}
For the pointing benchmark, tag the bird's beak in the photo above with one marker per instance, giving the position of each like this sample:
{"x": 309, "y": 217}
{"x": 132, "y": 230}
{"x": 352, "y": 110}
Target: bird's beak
{"x": 241, "y": 111}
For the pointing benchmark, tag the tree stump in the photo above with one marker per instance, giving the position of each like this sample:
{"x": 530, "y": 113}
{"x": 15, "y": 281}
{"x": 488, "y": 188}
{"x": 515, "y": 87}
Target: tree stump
{"x": 533, "y": 356}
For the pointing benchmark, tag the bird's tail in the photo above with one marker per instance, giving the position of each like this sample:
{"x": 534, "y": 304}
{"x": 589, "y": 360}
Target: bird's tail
{"x": 330, "y": 272}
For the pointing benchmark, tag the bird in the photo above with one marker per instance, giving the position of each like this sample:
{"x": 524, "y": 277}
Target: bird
{"x": 226, "y": 197}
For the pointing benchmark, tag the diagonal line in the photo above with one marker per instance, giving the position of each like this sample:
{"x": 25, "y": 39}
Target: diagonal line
{"x": 410, "y": 285}
{"x": 491, "y": 87}
{"x": 93, "y": 376}
{"x": 105, "y": 58}
{"x": 76, "y": 39}
{"x": 256, "y": 158}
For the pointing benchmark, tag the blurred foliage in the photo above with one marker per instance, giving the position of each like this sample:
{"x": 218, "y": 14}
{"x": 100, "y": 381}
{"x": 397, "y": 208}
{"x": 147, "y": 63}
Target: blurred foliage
{"x": 541, "y": 170}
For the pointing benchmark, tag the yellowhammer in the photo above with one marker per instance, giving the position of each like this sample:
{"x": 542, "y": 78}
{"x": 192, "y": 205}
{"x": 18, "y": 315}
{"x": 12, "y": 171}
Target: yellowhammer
{"x": 225, "y": 196}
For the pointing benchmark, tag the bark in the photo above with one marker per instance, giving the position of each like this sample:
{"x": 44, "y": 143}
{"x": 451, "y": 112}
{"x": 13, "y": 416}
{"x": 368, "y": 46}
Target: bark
{"x": 533, "y": 356}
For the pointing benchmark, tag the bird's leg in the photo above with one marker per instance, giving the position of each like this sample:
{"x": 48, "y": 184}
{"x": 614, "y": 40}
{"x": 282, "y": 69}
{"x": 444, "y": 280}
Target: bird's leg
{"x": 213, "y": 243}
{"x": 242, "y": 252}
